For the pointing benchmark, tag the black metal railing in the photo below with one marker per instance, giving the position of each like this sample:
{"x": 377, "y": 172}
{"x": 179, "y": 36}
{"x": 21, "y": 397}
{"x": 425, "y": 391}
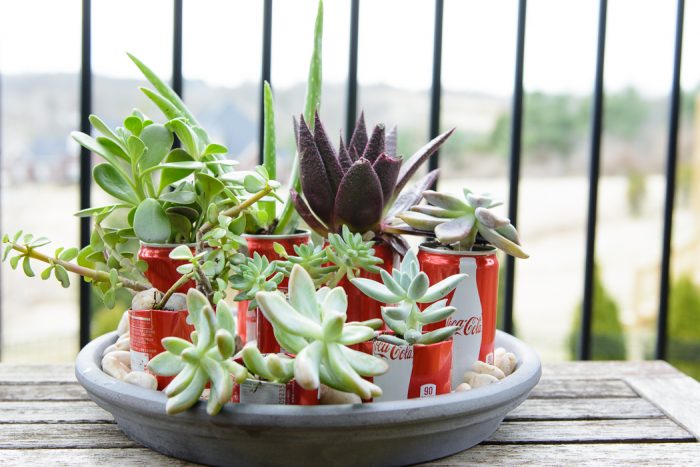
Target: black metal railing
{"x": 516, "y": 129}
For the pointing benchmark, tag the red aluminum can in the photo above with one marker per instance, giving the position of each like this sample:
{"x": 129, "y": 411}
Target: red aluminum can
{"x": 162, "y": 270}
{"x": 475, "y": 299}
{"x": 264, "y": 392}
{"x": 360, "y": 306}
{"x": 415, "y": 371}
{"x": 251, "y": 323}
{"x": 146, "y": 330}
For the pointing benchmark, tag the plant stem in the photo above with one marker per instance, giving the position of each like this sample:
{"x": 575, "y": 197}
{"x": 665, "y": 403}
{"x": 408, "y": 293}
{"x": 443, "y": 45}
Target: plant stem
{"x": 204, "y": 283}
{"x": 234, "y": 211}
{"x": 93, "y": 274}
{"x": 180, "y": 282}
{"x": 123, "y": 262}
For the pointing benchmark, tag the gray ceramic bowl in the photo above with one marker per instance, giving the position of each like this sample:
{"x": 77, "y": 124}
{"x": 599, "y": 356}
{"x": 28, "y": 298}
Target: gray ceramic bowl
{"x": 382, "y": 433}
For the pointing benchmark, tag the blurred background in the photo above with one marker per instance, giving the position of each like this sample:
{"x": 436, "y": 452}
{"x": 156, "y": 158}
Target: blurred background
{"x": 40, "y": 45}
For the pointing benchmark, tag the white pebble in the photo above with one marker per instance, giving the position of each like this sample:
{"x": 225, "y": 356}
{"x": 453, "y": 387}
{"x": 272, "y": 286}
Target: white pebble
{"x": 486, "y": 369}
{"x": 332, "y": 396}
{"x": 123, "y": 327}
{"x": 123, "y": 343}
{"x": 176, "y": 302}
{"x": 463, "y": 387}
{"x": 117, "y": 364}
{"x": 146, "y": 300}
{"x": 476, "y": 380}
{"x": 143, "y": 379}
{"x": 499, "y": 351}
{"x": 506, "y": 362}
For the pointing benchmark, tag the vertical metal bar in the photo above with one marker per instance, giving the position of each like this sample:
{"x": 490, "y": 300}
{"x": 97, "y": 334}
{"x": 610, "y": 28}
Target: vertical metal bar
{"x": 351, "y": 97}
{"x": 671, "y": 159}
{"x": 585, "y": 344}
{"x": 436, "y": 87}
{"x": 1, "y": 212}
{"x": 85, "y": 162}
{"x": 516, "y": 130}
{"x": 177, "y": 47}
{"x": 266, "y": 70}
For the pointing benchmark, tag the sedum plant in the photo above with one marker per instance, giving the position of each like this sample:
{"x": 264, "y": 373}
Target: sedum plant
{"x": 404, "y": 290}
{"x": 359, "y": 185}
{"x": 253, "y": 275}
{"x": 276, "y": 368}
{"x": 206, "y": 359}
{"x": 460, "y": 222}
{"x": 312, "y": 326}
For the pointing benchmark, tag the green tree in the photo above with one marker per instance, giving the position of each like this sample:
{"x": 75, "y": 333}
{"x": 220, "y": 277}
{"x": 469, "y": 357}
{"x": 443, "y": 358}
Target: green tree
{"x": 607, "y": 335}
{"x": 684, "y": 326}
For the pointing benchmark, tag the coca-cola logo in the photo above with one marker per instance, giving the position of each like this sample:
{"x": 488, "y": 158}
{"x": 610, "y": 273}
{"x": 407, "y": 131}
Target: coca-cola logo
{"x": 467, "y": 327}
{"x": 393, "y": 352}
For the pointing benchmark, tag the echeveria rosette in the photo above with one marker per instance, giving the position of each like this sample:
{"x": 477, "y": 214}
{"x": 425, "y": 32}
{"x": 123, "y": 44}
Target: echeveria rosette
{"x": 312, "y": 326}
{"x": 207, "y": 358}
{"x": 358, "y": 184}
{"x": 456, "y": 221}
{"x": 403, "y": 290}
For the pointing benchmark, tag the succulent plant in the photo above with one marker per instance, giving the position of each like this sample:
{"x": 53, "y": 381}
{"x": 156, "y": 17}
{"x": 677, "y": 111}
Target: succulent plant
{"x": 276, "y": 368}
{"x": 312, "y": 326}
{"x": 253, "y": 275}
{"x": 458, "y": 221}
{"x": 313, "y": 258}
{"x": 207, "y": 358}
{"x": 403, "y": 290}
{"x": 359, "y": 184}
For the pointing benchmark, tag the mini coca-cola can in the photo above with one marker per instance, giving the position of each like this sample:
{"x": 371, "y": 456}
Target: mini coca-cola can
{"x": 146, "y": 330}
{"x": 162, "y": 270}
{"x": 475, "y": 299}
{"x": 360, "y": 306}
{"x": 251, "y": 323}
{"x": 415, "y": 371}
{"x": 253, "y": 391}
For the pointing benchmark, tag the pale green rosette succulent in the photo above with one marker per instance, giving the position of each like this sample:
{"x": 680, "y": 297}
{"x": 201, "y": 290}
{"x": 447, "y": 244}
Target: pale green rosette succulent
{"x": 206, "y": 358}
{"x": 404, "y": 289}
{"x": 456, "y": 221}
{"x": 312, "y": 326}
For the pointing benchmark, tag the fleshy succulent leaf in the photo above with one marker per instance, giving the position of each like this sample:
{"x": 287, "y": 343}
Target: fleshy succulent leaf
{"x": 304, "y": 210}
{"x": 390, "y": 145}
{"x": 328, "y": 155}
{"x": 358, "y": 140}
{"x": 315, "y": 184}
{"x": 344, "y": 156}
{"x": 359, "y": 199}
{"x": 375, "y": 145}
{"x": 387, "y": 170}
{"x": 455, "y": 229}
{"x": 411, "y": 165}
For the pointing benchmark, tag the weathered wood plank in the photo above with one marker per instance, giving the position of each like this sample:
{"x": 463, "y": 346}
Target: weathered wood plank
{"x": 607, "y": 370}
{"x": 42, "y": 392}
{"x": 63, "y": 436}
{"x": 581, "y": 388}
{"x": 49, "y": 373}
{"x": 577, "y": 454}
{"x": 53, "y": 412}
{"x": 678, "y": 397}
{"x": 584, "y": 409}
{"x": 576, "y": 431}
{"x": 101, "y": 457}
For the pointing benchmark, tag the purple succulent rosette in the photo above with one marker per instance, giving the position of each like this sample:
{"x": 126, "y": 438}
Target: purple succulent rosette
{"x": 360, "y": 185}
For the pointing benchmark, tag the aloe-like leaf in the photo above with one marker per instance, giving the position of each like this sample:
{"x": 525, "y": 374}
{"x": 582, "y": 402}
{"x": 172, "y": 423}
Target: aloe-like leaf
{"x": 419, "y": 285}
{"x": 446, "y": 201}
{"x": 387, "y": 170}
{"x": 413, "y": 163}
{"x": 390, "y": 145}
{"x": 402, "y": 201}
{"x": 312, "y": 100}
{"x": 158, "y": 141}
{"x": 375, "y": 290}
{"x": 375, "y": 145}
{"x": 306, "y": 366}
{"x": 438, "y": 335}
{"x": 454, "y": 230}
{"x": 501, "y": 242}
{"x": 282, "y": 315}
{"x": 358, "y": 140}
{"x": 189, "y": 396}
{"x": 435, "y": 315}
{"x": 302, "y": 292}
{"x": 315, "y": 184}
{"x": 151, "y": 223}
{"x": 114, "y": 183}
{"x": 359, "y": 199}
{"x": 343, "y": 156}
{"x": 352, "y": 334}
{"x": 175, "y": 345}
{"x": 365, "y": 364}
{"x": 442, "y": 288}
{"x": 328, "y": 155}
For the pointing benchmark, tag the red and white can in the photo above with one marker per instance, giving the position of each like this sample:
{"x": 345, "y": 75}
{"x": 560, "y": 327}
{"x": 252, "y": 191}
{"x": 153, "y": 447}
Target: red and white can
{"x": 162, "y": 270}
{"x": 415, "y": 371}
{"x": 252, "y": 324}
{"x": 146, "y": 330}
{"x": 253, "y": 391}
{"x": 475, "y": 299}
{"x": 360, "y": 306}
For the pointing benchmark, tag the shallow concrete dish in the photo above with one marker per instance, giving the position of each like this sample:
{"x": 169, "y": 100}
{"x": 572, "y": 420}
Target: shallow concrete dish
{"x": 382, "y": 433}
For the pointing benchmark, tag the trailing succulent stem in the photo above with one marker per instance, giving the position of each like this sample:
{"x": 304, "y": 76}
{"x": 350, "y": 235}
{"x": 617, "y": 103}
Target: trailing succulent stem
{"x": 311, "y": 325}
{"x": 403, "y": 290}
{"x": 206, "y": 359}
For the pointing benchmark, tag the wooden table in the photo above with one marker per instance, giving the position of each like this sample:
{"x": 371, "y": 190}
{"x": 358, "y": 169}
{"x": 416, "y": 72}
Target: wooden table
{"x": 581, "y": 413}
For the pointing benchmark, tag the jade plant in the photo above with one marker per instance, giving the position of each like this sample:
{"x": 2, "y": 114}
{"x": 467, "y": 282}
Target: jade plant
{"x": 206, "y": 359}
{"x": 311, "y": 325}
{"x": 357, "y": 185}
{"x": 463, "y": 222}
{"x": 404, "y": 290}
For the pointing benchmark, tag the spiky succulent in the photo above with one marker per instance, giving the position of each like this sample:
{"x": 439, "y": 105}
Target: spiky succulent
{"x": 312, "y": 326}
{"x": 313, "y": 258}
{"x": 359, "y": 184}
{"x": 254, "y": 275}
{"x": 458, "y": 221}
{"x": 207, "y": 358}
{"x": 403, "y": 290}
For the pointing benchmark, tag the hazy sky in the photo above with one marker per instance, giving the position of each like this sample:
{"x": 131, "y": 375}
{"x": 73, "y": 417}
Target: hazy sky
{"x": 222, "y": 41}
